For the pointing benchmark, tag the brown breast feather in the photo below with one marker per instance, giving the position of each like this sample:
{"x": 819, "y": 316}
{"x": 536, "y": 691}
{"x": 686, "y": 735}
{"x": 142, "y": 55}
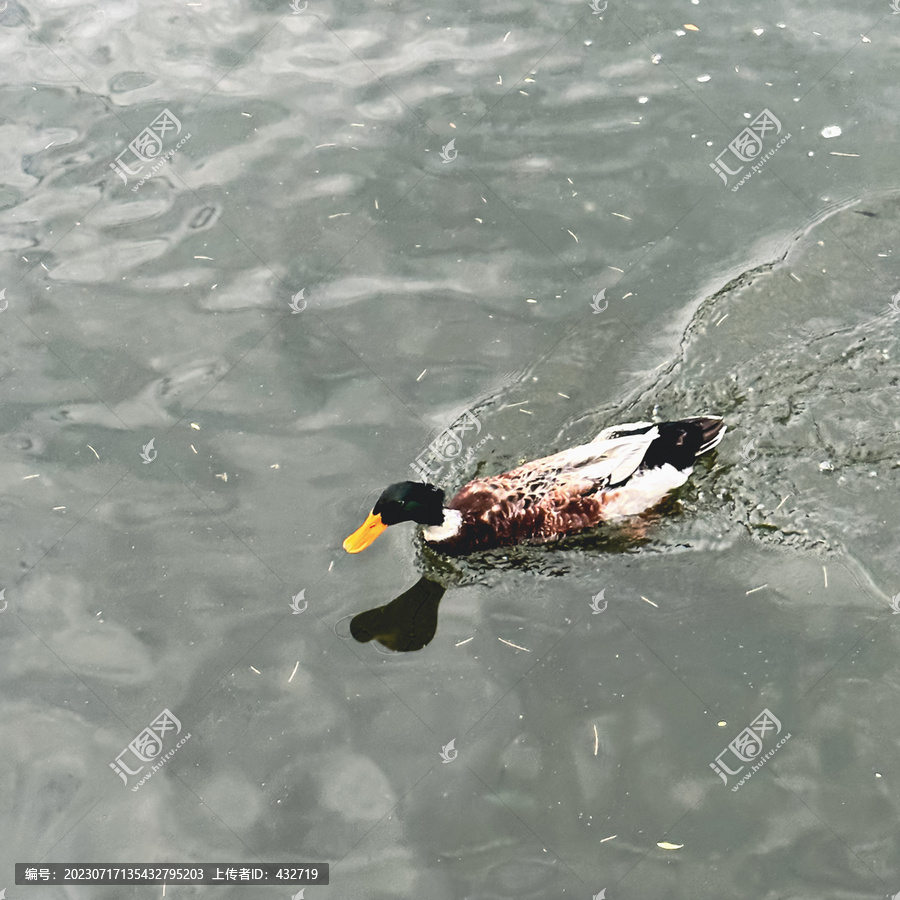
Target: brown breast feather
{"x": 527, "y": 504}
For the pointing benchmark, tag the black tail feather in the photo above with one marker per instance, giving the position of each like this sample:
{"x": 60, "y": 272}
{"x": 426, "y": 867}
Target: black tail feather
{"x": 713, "y": 429}
{"x": 680, "y": 443}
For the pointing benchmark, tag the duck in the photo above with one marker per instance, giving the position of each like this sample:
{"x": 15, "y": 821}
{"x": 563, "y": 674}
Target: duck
{"x": 625, "y": 470}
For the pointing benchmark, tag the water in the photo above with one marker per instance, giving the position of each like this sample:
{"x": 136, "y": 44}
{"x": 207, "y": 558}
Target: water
{"x": 314, "y": 163}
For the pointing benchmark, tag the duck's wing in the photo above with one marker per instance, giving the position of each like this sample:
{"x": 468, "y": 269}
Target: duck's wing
{"x": 623, "y": 430}
{"x": 599, "y": 464}
{"x": 610, "y": 461}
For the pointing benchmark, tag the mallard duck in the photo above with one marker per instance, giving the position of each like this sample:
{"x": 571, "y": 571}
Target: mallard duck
{"x": 623, "y": 471}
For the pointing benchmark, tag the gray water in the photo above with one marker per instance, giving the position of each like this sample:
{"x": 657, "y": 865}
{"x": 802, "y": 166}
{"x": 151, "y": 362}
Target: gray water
{"x": 310, "y": 159}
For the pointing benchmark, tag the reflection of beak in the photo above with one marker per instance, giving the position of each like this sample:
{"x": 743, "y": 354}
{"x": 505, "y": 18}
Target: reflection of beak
{"x": 365, "y": 534}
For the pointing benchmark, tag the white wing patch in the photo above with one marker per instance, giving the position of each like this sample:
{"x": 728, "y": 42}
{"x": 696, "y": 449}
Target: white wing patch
{"x": 608, "y": 433}
{"x": 621, "y": 457}
{"x": 606, "y": 461}
{"x": 646, "y": 489}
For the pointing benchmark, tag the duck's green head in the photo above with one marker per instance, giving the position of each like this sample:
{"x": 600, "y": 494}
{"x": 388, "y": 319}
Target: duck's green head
{"x": 405, "y": 501}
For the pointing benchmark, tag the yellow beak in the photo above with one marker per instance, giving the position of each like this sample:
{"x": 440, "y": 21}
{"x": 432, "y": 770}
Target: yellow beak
{"x": 365, "y": 534}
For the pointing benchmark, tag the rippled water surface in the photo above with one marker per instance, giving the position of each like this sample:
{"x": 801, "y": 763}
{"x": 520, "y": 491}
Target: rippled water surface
{"x": 572, "y": 259}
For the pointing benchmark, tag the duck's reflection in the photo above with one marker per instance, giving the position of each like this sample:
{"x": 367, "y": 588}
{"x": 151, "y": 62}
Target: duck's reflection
{"x": 407, "y": 623}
